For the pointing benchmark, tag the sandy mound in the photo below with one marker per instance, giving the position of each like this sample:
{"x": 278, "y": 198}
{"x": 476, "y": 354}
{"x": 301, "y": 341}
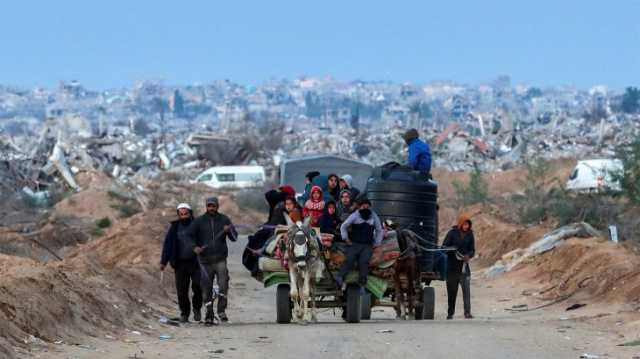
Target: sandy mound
{"x": 590, "y": 268}
{"x": 92, "y": 203}
{"x": 103, "y": 286}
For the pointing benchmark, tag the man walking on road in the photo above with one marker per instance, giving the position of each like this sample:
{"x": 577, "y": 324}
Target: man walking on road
{"x": 461, "y": 238}
{"x": 210, "y": 232}
{"x": 178, "y": 251}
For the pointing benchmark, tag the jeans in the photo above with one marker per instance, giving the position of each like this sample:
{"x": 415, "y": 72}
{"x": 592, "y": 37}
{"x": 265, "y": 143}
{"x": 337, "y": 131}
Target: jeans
{"x": 453, "y": 281}
{"x": 360, "y": 254}
{"x": 215, "y": 270}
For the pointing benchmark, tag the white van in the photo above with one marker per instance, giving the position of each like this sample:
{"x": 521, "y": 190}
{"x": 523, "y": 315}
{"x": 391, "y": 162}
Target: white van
{"x": 596, "y": 176}
{"x": 232, "y": 177}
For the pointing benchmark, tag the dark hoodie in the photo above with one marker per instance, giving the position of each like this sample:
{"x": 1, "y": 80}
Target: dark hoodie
{"x": 274, "y": 198}
{"x": 208, "y": 232}
{"x": 329, "y": 223}
{"x": 335, "y": 192}
{"x": 464, "y": 242}
{"x": 178, "y": 246}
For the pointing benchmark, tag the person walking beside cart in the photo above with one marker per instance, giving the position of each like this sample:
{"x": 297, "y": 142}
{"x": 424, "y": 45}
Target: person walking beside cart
{"x": 461, "y": 238}
{"x": 210, "y": 232}
{"x": 366, "y": 232}
{"x": 177, "y": 250}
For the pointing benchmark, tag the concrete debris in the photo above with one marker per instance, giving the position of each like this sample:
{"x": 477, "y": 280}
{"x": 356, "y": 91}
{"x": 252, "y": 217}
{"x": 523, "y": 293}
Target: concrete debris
{"x": 49, "y": 136}
{"x": 58, "y": 160}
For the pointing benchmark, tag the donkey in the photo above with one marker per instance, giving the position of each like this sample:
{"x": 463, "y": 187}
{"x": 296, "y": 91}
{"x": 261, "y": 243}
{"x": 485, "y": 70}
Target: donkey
{"x": 305, "y": 268}
{"x": 405, "y": 275}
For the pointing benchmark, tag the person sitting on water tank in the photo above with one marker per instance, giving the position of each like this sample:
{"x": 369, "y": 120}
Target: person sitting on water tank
{"x": 419, "y": 152}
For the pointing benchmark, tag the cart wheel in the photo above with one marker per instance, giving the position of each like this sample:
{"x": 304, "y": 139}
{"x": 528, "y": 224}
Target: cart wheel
{"x": 428, "y": 303}
{"x": 366, "y": 305}
{"x": 417, "y": 311}
{"x": 283, "y": 304}
{"x": 354, "y": 306}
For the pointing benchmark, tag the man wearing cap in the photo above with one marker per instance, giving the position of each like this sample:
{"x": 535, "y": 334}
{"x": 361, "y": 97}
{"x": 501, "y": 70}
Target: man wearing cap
{"x": 210, "y": 232}
{"x": 419, "y": 151}
{"x": 366, "y": 232}
{"x": 178, "y": 251}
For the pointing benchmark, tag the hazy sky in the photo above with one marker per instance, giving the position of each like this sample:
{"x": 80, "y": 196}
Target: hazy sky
{"x": 113, "y": 43}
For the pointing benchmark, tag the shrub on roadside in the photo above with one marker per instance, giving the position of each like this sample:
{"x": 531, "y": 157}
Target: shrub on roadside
{"x": 477, "y": 191}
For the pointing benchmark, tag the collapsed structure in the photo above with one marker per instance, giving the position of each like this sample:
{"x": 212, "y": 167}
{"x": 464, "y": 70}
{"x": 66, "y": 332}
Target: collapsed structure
{"x": 48, "y": 136}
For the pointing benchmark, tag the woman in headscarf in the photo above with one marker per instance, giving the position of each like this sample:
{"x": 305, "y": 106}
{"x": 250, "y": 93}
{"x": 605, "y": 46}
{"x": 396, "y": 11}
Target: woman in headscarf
{"x": 461, "y": 238}
{"x": 345, "y": 205}
{"x": 333, "y": 187}
{"x": 346, "y": 182}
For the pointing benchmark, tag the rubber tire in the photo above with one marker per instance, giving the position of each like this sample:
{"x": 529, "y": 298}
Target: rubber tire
{"x": 365, "y": 311}
{"x": 428, "y": 303}
{"x": 417, "y": 311}
{"x": 354, "y": 304}
{"x": 283, "y": 304}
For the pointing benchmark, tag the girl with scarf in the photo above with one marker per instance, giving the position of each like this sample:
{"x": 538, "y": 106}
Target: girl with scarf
{"x": 314, "y": 206}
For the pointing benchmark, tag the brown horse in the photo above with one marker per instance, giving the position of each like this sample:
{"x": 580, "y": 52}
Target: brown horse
{"x": 405, "y": 275}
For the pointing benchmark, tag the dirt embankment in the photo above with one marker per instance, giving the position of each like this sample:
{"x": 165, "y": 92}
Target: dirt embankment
{"x": 104, "y": 286}
{"x": 591, "y": 269}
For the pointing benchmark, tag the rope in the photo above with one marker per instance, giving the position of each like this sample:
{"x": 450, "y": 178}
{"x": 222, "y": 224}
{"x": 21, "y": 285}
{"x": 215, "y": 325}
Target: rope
{"x": 437, "y": 247}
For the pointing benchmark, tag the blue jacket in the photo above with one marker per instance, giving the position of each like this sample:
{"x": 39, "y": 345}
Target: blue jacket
{"x": 170, "y": 250}
{"x": 419, "y": 156}
{"x": 320, "y": 181}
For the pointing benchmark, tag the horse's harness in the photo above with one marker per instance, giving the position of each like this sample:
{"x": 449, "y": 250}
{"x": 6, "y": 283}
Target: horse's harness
{"x": 300, "y": 240}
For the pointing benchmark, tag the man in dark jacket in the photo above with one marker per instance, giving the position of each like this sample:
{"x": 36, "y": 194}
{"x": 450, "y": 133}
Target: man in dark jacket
{"x": 178, "y": 251}
{"x": 419, "y": 151}
{"x": 366, "y": 232}
{"x": 461, "y": 238}
{"x": 210, "y": 232}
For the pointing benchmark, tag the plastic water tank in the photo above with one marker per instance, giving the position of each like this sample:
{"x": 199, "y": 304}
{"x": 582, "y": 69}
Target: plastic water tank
{"x": 410, "y": 199}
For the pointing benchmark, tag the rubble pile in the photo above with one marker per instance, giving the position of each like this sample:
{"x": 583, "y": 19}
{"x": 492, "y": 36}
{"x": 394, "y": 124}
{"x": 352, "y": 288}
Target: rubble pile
{"x": 49, "y": 136}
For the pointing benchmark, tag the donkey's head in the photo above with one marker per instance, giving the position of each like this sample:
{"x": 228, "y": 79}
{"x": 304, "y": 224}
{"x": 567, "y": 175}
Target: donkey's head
{"x": 299, "y": 244}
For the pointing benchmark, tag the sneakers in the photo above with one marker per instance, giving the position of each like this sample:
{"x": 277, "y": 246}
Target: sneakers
{"x": 223, "y": 317}
{"x": 468, "y": 316}
{"x": 449, "y": 317}
{"x": 197, "y": 316}
{"x": 209, "y": 319}
{"x": 184, "y": 318}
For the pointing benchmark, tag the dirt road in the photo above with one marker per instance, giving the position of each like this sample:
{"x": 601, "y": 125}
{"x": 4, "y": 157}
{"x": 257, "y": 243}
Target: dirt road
{"x": 494, "y": 333}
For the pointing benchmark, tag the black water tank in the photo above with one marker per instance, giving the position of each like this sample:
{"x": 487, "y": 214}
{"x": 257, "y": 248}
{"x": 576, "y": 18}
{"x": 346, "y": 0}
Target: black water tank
{"x": 410, "y": 199}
